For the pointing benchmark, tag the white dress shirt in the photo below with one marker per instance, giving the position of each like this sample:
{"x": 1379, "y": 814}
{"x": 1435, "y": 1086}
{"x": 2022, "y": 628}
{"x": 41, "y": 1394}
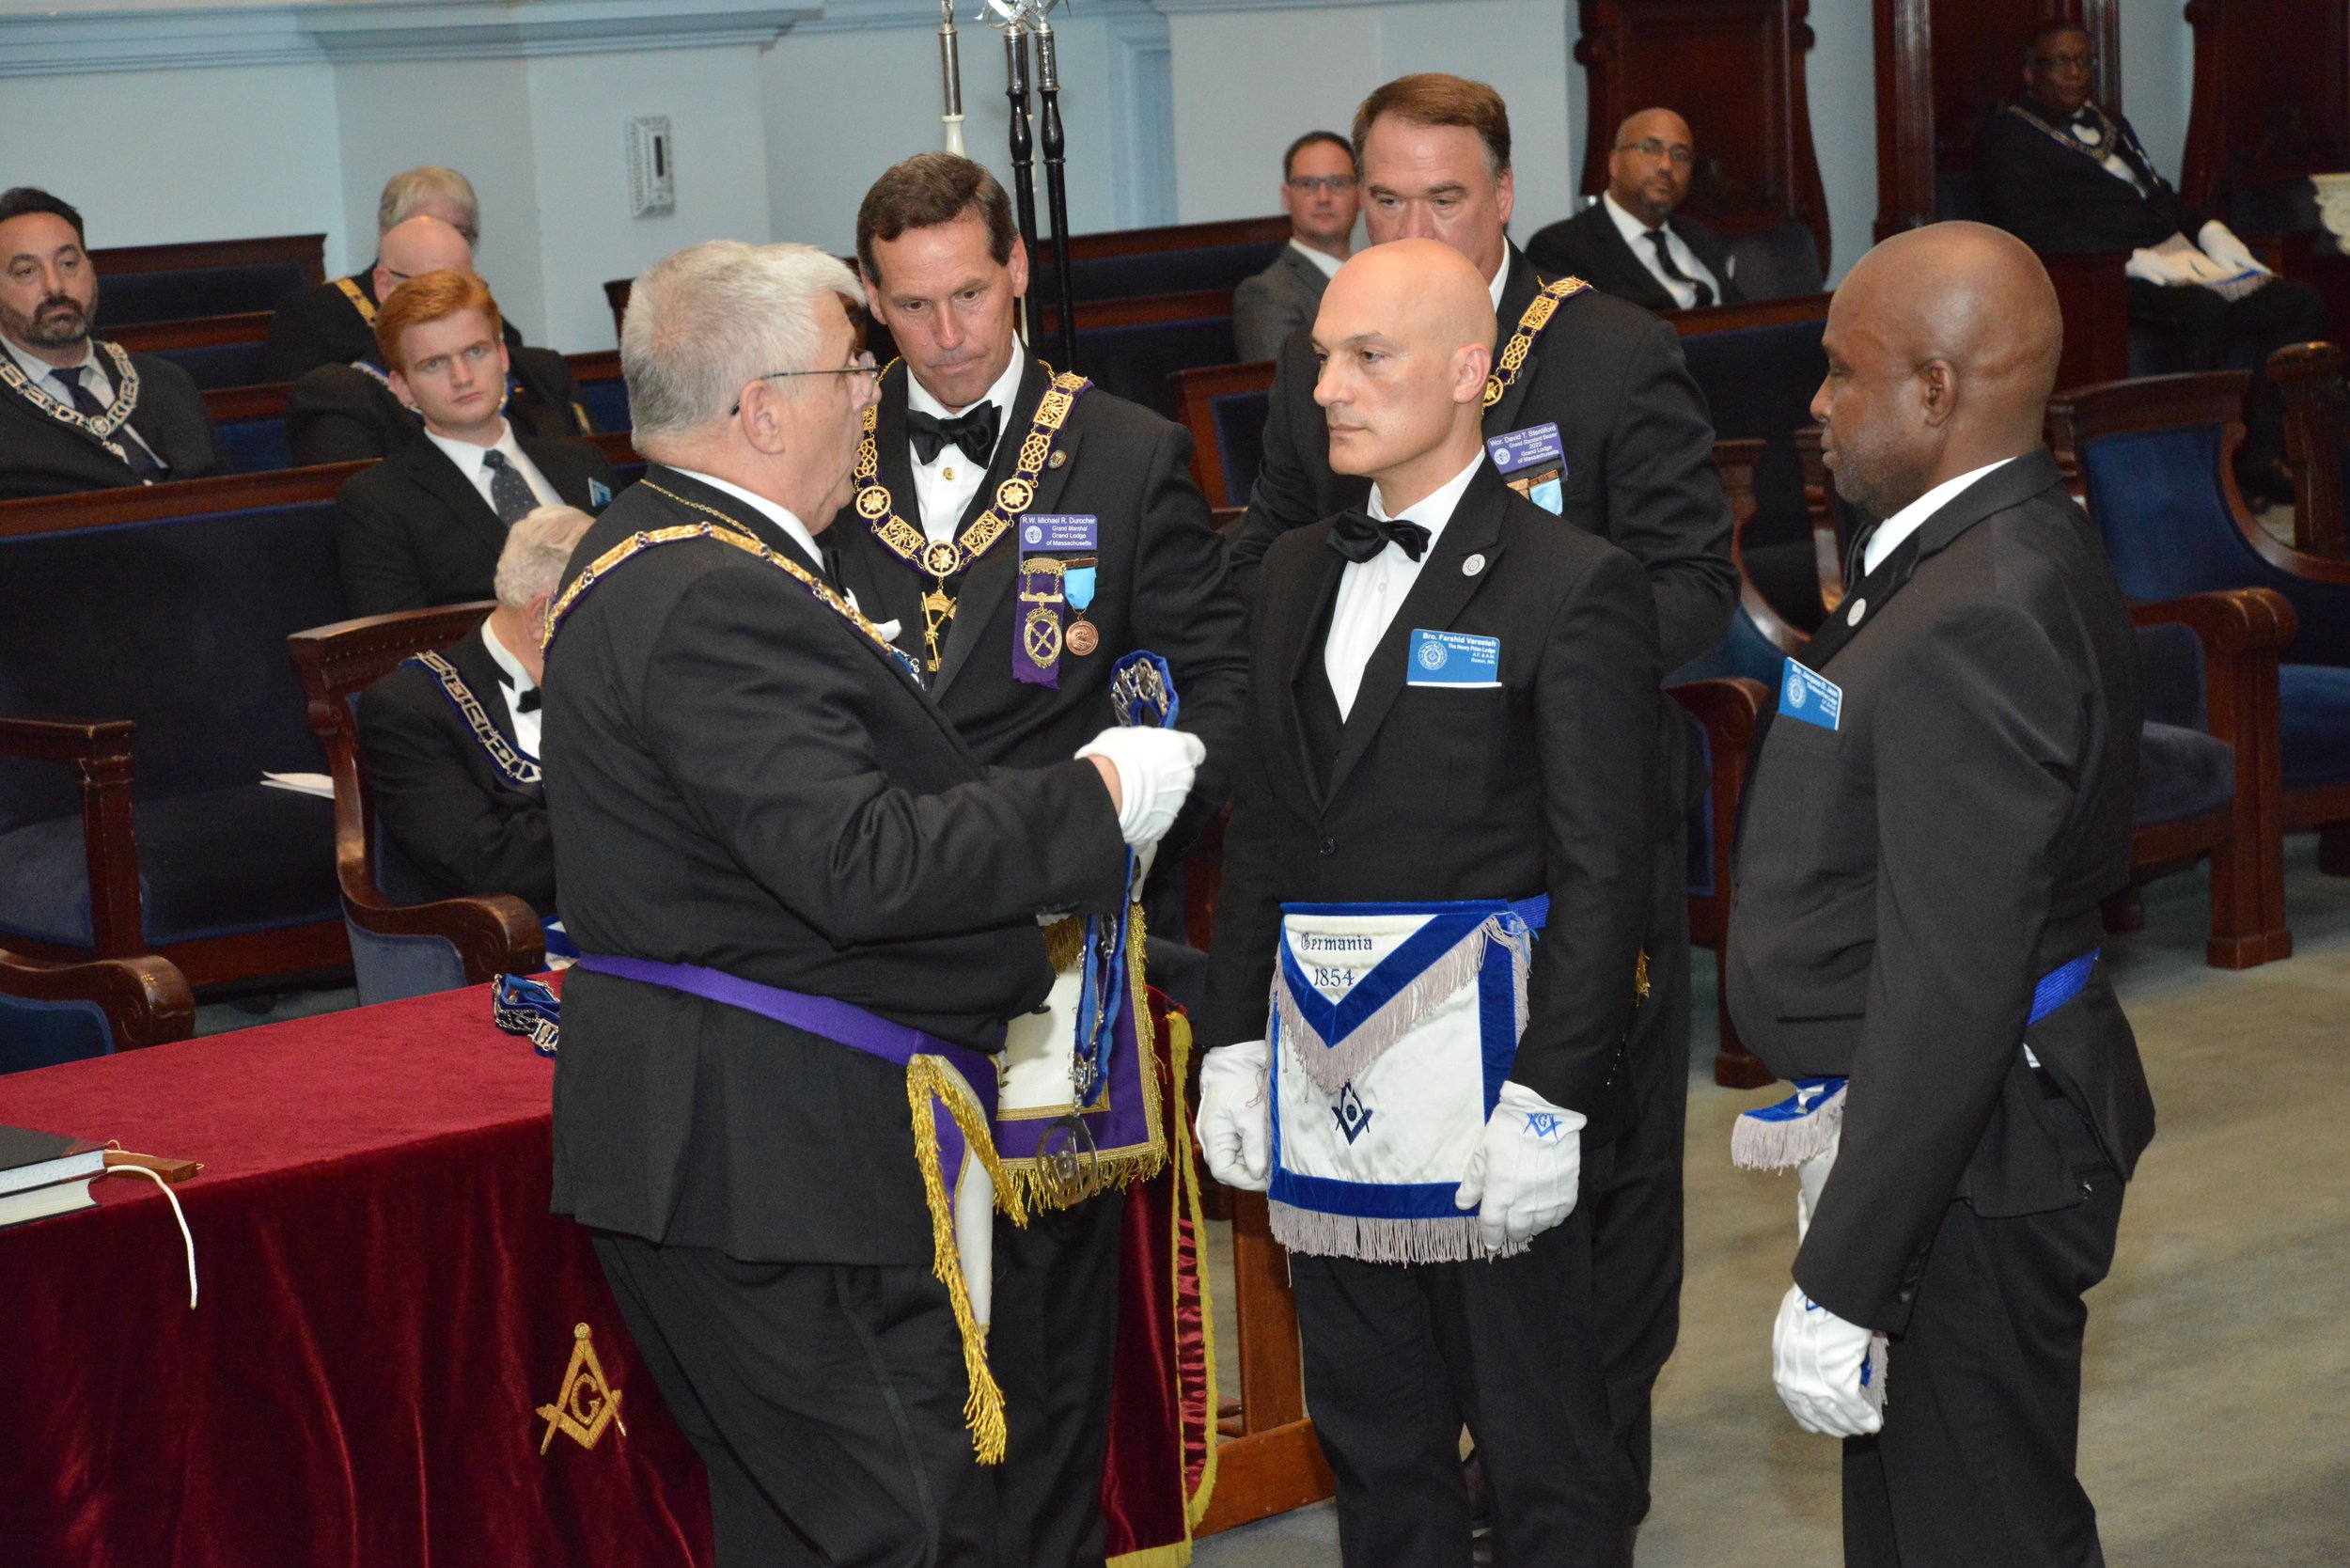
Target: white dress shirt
{"x": 468, "y": 460}
{"x": 1492, "y": 287}
{"x": 1370, "y": 592}
{"x": 1636, "y": 234}
{"x": 2091, "y": 136}
{"x": 102, "y": 386}
{"x": 1323, "y": 259}
{"x": 798, "y": 532}
{"x": 942, "y": 487}
{"x": 1912, "y": 517}
{"x": 514, "y": 681}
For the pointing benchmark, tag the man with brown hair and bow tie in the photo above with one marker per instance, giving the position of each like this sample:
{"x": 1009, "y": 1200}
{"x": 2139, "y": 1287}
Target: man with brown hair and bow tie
{"x": 77, "y": 413}
{"x": 1025, "y": 531}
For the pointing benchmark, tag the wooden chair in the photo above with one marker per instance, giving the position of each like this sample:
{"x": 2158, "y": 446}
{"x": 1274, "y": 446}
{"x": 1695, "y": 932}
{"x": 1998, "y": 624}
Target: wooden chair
{"x": 1223, "y": 406}
{"x": 2317, "y": 444}
{"x": 2154, "y": 458}
{"x": 400, "y": 950}
{"x": 1132, "y": 263}
{"x": 1131, "y": 346}
{"x": 214, "y": 351}
{"x": 2210, "y": 666}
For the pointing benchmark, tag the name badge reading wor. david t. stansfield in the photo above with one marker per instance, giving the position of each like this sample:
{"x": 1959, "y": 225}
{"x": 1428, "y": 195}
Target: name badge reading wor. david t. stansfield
{"x": 1533, "y": 463}
{"x": 1454, "y": 659}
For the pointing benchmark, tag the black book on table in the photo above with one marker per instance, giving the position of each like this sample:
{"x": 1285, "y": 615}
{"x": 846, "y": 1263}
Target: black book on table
{"x": 45, "y": 1173}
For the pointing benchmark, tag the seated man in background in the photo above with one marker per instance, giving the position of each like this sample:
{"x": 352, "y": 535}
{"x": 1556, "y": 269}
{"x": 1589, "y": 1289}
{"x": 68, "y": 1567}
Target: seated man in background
{"x": 1318, "y": 191}
{"x": 426, "y": 525}
{"x": 333, "y": 324}
{"x": 1628, "y": 243}
{"x": 347, "y": 413}
{"x": 2065, "y": 177}
{"x": 452, "y": 739}
{"x": 78, "y": 412}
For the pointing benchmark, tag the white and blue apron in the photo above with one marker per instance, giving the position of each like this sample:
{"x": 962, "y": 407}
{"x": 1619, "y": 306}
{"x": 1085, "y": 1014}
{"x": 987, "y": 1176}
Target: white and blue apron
{"x": 1393, "y": 1028}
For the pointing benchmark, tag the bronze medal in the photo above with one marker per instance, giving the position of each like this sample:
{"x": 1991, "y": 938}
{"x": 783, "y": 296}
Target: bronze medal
{"x": 1082, "y": 636}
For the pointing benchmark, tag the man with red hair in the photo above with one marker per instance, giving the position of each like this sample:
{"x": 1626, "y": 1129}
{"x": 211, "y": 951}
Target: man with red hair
{"x": 425, "y": 525}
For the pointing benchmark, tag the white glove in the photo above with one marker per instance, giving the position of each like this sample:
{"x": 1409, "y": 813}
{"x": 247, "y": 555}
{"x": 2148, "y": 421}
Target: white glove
{"x": 1155, "y": 768}
{"x": 1830, "y": 1373}
{"x": 2219, "y": 241}
{"x": 1522, "y": 1179}
{"x": 1236, "y": 1123}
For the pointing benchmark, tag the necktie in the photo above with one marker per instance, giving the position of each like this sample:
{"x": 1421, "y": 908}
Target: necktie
{"x": 1672, "y": 270}
{"x": 1857, "y": 556}
{"x": 1358, "y": 535}
{"x": 510, "y": 493}
{"x": 973, "y": 429}
{"x": 142, "y": 462}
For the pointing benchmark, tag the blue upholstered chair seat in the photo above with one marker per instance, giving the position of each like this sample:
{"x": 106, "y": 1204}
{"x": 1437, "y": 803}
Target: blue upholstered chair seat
{"x": 1134, "y": 362}
{"x": 174, "y": 296}
{"x": 606, "y": 402}
{"x": 1160, "y": 272}
{"x": 2181, "y": 772}
{"x": 211, "y": 864}
{"x": 216, "y": 365}
{"x": 42, "y": 1034}
{"x": 1240, "y": 439}
{"x": 256, "y": 445}
{"x": 2313, "y": 702}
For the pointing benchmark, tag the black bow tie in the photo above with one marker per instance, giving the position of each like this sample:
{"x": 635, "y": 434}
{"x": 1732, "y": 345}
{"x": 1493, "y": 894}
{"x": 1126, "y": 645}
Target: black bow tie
{"x": 973, "y": 429}
{"x": 527, "y": 703}
{"x": 1358, "y": 535}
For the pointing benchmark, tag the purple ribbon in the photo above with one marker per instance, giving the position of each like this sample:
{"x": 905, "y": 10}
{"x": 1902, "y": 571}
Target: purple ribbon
{"x": 1037, "y": 626}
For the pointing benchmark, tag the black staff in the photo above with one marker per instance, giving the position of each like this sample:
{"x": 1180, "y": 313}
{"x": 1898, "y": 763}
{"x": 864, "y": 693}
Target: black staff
{"x": 1057, "y": 186}
{"x": 1023, "y": 154}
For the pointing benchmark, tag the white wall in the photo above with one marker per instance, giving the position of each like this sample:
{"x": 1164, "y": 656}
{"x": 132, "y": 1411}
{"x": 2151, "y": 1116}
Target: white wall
{"x": 152, "y": 157}
{"x": 1841, "y": 85}
{"x": 2158, "y": 79}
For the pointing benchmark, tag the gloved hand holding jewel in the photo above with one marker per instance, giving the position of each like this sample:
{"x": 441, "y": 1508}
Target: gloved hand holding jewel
{"x": 1155, "y": 768}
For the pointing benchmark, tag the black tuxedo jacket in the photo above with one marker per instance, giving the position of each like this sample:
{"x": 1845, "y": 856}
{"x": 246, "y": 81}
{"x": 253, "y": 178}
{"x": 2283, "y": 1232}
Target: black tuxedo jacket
{"x": 460, "y": 826}
{"x": 2060, "y": 200}
{"x": 1540, "y": 786}
{"x": 1161, "y": 584}
{"x": 40, "y": 455}
{"x": 1903, "y": 881}
{"x": 412, "y": 531}
{"x": 741, "y": 779}
{"x": 1589, "y": 246}
{"x": 1639, "y": 453}
{"x": 320, "y": 326}
{"x": 337, "y": 413}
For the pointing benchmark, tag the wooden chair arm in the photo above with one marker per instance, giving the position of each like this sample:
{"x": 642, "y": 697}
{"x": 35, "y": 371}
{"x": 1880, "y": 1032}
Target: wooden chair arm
{"x": 99, "y": 751}
{"x": 1727, "y": 707}
{"x": 2317, "y": 424}
{"x": 494, "y": 933}
{"x": 146, "y": 999}
{"x": 2229, "y": 622}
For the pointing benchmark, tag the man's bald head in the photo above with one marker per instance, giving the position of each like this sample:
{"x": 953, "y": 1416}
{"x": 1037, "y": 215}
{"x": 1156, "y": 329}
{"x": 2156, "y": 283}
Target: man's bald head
{"x": 416, "y": 246}
{"x": 1942, "y": 347}
{"x": 1647, "y": 170}
{"x": 1405, "y": 338}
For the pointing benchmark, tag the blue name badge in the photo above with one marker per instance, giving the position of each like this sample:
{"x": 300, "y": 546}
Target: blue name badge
{"x": 1048, "y": 532}
{"x": 1454, "y": 659}
{"x": 1533, "y": 462}
{"x": 599, "y": 494}
{"x": 1805, "y": 693}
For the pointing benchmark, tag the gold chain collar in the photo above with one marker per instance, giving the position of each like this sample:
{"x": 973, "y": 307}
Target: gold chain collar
{"x": 517, "y": 769}
{"x": 1539, "y": 311}
{"x": 733, "y": 533}
{"x": 908, "y": 542}
{"x": 101, "y": 427}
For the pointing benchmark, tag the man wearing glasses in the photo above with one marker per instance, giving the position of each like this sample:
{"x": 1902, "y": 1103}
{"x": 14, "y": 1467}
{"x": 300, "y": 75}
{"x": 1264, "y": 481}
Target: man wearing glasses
{"x": 1026, "y": 531}
{"x": 1628, "y": 243}
{"x": 1318, "y": 191}
{"x": 334, "y": 322}
{"x": 346, "y": 411}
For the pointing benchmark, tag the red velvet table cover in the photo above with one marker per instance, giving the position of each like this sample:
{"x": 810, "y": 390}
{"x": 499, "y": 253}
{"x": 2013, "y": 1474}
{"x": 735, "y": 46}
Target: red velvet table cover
{"x": 386, "y": 1302}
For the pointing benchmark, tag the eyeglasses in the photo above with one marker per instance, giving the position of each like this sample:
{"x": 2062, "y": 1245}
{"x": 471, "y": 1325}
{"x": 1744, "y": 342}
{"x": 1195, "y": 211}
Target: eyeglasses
{"x": 1336, "y": 184}
{"x": 1654, "y": 147}
{"x": 862, "y": 366}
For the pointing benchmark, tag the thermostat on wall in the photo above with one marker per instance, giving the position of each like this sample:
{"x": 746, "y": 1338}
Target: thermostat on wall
{"x": 651, "y": 168}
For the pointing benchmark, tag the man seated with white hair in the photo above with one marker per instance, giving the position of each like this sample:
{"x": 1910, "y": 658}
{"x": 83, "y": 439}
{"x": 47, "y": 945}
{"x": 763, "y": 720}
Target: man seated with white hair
{"x": 806, "y": 914}
{"x": 451, "y": 740}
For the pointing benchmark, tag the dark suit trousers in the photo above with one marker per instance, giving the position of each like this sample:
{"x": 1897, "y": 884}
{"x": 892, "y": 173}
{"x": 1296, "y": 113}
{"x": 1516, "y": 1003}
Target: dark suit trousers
{"x": 1974, "y": 1467}
{"x": 1635, "y": 1236}
{"x": 1398, "y": 1355}
{"x": 1052, "y": 1344}
{"x": 826, "y": 1401}
{"x": 2215, "y": 333}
